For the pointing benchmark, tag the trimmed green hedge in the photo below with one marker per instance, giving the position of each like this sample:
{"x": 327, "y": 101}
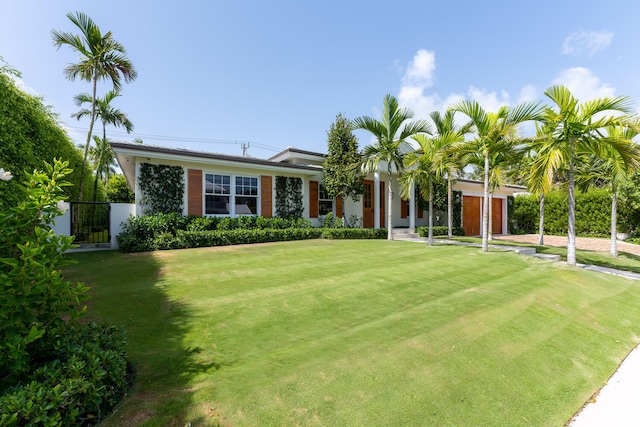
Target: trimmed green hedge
{"x": 593, "y": 213}
{"x": 171, "y": 231}
{"x": 440, "y": 230}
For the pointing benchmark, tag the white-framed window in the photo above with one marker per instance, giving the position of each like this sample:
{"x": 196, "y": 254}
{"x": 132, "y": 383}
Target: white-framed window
{"x": 325, "y": 203}
{"x": 246, "y": 195}
{"x": 217, "y": 192}
{"x": 221, "y": 192}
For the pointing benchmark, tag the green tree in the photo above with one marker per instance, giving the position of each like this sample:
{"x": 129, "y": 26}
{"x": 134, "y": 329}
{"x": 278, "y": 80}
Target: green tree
{"x": 574, "y": 130}
{"x": 495, "y": 133}
{"x": 391, "y": 133}
{"x": 448, "y": 159}
{"x": 609, "y": 170}
{"x": 30, "y": 135}
{"x": 118, "y": 190}
{"x": 101, "y": 58}
{"x": 340, "y": 168}
{"x": 102, "y": 154}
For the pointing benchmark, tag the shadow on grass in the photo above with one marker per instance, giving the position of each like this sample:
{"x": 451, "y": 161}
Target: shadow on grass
{"x": 128, "y": 290}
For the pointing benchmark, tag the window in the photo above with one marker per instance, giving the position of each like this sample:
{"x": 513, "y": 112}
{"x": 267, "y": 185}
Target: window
{"x": 325, "y": 203}
{"x": 223, "y": 191}
{"x": 246, "y": 195}
{"x": 217, "y": 191}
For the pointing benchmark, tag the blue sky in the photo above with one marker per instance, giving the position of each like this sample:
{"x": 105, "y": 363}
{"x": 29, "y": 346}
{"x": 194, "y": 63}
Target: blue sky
{"x": 277, "y": 73}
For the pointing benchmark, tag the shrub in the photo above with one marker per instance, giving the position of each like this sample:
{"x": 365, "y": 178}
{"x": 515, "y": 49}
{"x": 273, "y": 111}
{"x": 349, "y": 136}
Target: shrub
{"x": 35, "y": 300}
{"x": 440, "y": 230}
{"x": 593, "y": 213}
{"x": 354, "y": 233}
{"x": 84, "y": 376}
{"x": 198, "y": 239}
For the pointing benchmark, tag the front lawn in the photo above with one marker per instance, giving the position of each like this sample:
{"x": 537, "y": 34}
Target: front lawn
{"x": 362, "y": 333}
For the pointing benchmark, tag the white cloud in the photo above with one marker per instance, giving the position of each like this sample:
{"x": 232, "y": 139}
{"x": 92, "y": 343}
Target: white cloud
{"x": 528, "y": 93}
{"x": 23, "y": 86}
{"x": 490, "y": 101}
{"x": 584, "y": 84}
{"x": 419, "y": 73}
{"x": 586, "y": 43}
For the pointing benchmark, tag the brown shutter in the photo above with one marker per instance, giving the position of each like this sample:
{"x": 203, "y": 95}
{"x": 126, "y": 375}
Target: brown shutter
{"x": 339, "y": 207}
{"x": 266, "y": 196}
{"x": 382, "y": 202}
{"x": 313, "y": 199}
{"x": 420, "y": 212}
{"x": 194, "y": 198}
{"x": 404, "y": 208}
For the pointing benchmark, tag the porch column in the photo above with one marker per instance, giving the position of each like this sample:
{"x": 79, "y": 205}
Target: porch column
{"x": 376, "y": 200}
{"x": 412, "y": 208}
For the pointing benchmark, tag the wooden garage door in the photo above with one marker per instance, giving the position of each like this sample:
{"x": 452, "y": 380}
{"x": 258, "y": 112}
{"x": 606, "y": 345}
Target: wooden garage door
{"x": 496, "y": 216}
{"x": 471, "y": 215}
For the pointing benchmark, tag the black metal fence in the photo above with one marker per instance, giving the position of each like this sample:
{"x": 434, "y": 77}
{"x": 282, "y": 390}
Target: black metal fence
{"x": 90, "y": 222}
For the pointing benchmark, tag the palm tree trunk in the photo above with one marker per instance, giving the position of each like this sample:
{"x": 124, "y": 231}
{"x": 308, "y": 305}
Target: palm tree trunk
{"x": 390, "y": 209}
{"x": 541, "y": 224}
{"x": 430, "y": 238}
{"x": 450, "y": 206}
{"x": 86, "y": 146}
{"x": 614, "y": 219}
{"x": 571, "y": 232}
{"x": 485, "y": 207}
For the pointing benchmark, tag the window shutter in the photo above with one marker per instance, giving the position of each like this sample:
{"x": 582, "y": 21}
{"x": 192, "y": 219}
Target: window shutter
{"x": 404, "y": 208}
{"x": 313, "y": 199}
{"x": 266, "y": 196}
{"x": 339, "y": 207}
{"x": 194, "y": 197}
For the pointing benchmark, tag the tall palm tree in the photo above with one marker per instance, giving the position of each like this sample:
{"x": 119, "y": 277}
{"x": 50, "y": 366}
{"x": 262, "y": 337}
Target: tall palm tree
{"x": 108, "y": 115}
{"x": 448, "y": 159}
{"x": 494, "y": 132}
{"x": 391, "y": 133}
{"x": 574, "y": 129}
{"x": 101, "y": 58}
{"x": 609, "y": 169}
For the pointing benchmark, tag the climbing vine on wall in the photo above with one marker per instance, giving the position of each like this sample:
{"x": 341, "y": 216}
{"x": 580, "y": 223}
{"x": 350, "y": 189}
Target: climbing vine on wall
{"x": 161, "y": 188}
{"x": 289, "y": 197}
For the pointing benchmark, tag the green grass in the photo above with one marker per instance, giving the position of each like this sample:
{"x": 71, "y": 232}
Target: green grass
{"x": 359, "y": 333}
{"x": 624, "y": 261}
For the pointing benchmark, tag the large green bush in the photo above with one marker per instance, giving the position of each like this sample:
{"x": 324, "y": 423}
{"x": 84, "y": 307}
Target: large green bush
{"x": 84, "y": 375}
{"x": 35, "y": 300}
{"x": 593, "y": 213}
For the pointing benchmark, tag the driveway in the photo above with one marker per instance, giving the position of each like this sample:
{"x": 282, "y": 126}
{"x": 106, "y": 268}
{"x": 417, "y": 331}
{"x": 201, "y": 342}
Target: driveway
{"x": 586, "y": 243}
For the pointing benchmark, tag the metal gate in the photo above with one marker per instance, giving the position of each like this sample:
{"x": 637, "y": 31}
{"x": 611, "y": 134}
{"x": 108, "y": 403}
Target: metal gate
{"x": 90, "y": 222}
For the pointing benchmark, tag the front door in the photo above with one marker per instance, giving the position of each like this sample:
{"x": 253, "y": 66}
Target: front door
{"x": 367, "y": 205}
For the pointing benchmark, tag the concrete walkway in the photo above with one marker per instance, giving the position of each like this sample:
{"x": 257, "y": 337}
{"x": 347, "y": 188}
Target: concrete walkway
{"x": 616, "y": 403}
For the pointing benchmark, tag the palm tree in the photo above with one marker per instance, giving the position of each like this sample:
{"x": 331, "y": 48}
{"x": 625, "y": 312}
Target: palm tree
{"x": 448, "y": 159}
{"x": 102, "y": 155}
{"x": 421, "y": 170}
{"x": 391, "y": 132}
{"x": 609, "y": 169}
{"x": 101, "y": 58}
{"x": 574, "y": 129}
{"x": 494, "y": 132}
{"x": 104, "y": 162}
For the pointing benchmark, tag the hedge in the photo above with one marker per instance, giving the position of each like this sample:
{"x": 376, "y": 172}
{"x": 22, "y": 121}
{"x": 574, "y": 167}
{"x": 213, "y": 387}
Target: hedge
{"x": 593, "y": 213}
{"x": 440, "y": 230}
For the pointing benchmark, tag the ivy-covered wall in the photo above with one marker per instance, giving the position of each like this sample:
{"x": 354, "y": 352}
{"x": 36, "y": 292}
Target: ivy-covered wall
{"x": 161, "y": 188}
{"x": 289, "y": 197}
